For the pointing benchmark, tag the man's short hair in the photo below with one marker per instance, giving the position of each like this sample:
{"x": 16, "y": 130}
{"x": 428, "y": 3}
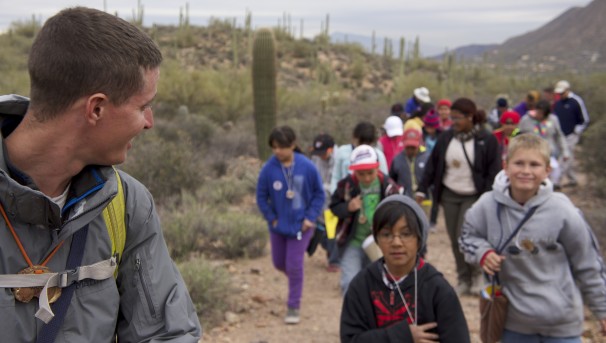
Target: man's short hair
{"x": 82, "y": 51}
{"x": 529, "y": 141}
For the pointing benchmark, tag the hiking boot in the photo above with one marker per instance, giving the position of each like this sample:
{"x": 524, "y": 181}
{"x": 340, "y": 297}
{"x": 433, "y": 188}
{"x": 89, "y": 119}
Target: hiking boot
{"x": 292, "y": 316}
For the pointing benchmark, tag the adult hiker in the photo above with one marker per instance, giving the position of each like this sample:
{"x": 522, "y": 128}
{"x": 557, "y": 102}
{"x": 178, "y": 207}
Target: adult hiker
{"x": 322, "y": 156}
{"x": 419, "y": 97}
{"x": 391, "y": 141}
{"x": 528, "y": 104}
{"x": 354, "y": 202}
{"x": 400, "y": 297}
{"x": 536, "y": 241}
{"x": 290, "y": 197}
{"x": 574, "y": 118}
{"x": 461, "y": 167}
{"x": 93, "y": 78}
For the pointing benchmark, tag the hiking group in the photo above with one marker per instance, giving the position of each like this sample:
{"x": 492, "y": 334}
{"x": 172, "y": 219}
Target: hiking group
{"x": 373, "y": 202}
{"x": 70, "y": 220}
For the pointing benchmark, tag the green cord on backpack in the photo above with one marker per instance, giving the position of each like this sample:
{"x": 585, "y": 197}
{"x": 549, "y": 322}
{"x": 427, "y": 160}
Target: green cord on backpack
{"x": 114, "y": 217}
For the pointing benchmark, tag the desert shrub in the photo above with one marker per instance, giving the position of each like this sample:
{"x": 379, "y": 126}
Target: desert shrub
{"x": 239, "y": 234}
{"x": 184, "y": 222}
{"x": 165, "y": 167}
{"x": 199, "y": 129}
{"x": 221, "y": 95}
{"x": 210, "y": 289}
{"x": 593, "y": 158}
{"x": 226, "y": 190}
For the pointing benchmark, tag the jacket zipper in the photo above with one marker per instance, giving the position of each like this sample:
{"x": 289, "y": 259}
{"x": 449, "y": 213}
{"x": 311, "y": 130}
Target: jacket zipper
{"x": 139, "y": 270}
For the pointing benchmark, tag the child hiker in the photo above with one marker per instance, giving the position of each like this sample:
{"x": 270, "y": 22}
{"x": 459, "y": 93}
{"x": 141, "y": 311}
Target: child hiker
{"x": 354, "y": 202}
{"x": 400, "y": 297}
{"x": 290, "y": 196}
{"x": 550, "y": 264}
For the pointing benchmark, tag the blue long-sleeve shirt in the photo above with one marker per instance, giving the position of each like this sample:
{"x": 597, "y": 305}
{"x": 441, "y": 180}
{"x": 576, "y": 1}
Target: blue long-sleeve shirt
{"x": 572, "y": 114}
{"x": 275, "y": 205}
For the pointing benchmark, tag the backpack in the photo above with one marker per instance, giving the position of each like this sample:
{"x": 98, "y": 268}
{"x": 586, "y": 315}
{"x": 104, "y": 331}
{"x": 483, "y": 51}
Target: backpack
{"x": 114, "y": 216}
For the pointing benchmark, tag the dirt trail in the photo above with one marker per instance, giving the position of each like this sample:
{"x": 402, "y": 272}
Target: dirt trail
{"x": 262, "y": 302}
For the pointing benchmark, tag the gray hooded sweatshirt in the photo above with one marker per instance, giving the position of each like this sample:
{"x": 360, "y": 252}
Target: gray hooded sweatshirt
{"x": 545, "y": 280}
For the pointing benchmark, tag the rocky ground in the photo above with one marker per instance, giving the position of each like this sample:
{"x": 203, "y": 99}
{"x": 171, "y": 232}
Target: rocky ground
{"x": 258, "y": 315}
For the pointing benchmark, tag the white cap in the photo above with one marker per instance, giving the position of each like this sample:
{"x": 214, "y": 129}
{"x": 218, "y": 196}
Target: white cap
{"x": 393, "y": 126}
{"x": 363, "y": 157}
{"x": 561, "y": 86}
{"x": 422, "y": 94}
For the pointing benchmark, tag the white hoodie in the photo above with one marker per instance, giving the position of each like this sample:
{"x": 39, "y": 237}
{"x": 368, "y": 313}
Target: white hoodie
{"x": 542, "y": 285}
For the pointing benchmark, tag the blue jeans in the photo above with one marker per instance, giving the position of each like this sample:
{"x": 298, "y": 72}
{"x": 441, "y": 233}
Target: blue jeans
{"x": 353, "y": 260}
{"x": 515, "y": 337}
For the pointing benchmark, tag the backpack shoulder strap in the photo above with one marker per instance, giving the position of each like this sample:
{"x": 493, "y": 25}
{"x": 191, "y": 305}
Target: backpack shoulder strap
{"x": 114, "y": 216}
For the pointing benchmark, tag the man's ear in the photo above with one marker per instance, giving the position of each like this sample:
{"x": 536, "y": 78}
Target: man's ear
{"x": 96, "y": 107}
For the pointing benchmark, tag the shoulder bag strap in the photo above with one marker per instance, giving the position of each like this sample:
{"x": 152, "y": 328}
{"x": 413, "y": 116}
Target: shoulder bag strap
{"x": 48, "y": 332}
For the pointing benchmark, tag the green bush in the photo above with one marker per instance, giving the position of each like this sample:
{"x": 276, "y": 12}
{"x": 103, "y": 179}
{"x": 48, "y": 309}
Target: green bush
{"x": 184, "y": 223}
{"x": 165, "y": 167}
{"x": 210, "y": 289}
{"x": 593, "y": 158}
{"x": 239, "y": 234}
{"x": 227, "y": 190}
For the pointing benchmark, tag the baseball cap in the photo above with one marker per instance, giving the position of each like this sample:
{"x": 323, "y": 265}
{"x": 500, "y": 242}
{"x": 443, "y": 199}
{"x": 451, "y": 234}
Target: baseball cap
{"x": 393, "y": 126}
{"x": 412, "y": 137}
{"x": 511, "y": 116}
{"x": 422, "y": 94}
{"x": 363, "y": 157}
{"x": 444, "y": 102}
{"x": 322, "y": 142}
{"x": 502, "y": 102}
{"x": 561, "y": 86}
{"x": 397, "y": 109}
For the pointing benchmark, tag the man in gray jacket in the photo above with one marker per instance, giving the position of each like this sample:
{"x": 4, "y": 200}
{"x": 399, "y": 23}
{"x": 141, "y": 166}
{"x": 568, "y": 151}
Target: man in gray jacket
{"x": 93, "y": 78}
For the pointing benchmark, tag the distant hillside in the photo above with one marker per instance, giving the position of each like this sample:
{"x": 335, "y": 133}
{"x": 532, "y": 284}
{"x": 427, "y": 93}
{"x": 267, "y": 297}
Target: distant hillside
{"x": 470, "y": 52}
{"x": 366, "y": 42}
{"x": 576, "y": 38}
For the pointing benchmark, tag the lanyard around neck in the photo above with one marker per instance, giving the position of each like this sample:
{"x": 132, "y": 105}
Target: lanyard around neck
{"x": 21, "y": 248}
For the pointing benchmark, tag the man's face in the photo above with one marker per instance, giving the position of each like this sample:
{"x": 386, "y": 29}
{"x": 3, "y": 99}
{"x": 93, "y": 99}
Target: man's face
{"x": 119, "y": 124}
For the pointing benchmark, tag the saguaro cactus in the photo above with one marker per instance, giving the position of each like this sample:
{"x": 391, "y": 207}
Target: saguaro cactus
{"x": 264, "y": 88}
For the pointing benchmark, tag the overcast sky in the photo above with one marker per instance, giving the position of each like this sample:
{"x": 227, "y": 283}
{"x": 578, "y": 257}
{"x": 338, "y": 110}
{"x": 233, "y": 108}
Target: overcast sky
{"x": 438, "y": 23}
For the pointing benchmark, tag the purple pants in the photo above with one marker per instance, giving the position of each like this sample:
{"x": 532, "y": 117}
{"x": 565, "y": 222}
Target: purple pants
{"x": 287, "y": 255}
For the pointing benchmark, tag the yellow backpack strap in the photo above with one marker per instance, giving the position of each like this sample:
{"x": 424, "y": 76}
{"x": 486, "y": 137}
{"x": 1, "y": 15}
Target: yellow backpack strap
{"x": 114, "y": 217}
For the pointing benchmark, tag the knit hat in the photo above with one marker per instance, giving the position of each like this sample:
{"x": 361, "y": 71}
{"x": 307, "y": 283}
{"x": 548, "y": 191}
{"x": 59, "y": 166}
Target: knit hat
{"x": 393, "y": 126}
{"x": 322, "y": 142}
{"x": 422, "y": 94}
{"x": 510, "y": 117}
{"x": 444, "y": 102}
{"x": 363, "y": 157}
{"x": 432, "y": 119}
{"x": 412, "y": 137}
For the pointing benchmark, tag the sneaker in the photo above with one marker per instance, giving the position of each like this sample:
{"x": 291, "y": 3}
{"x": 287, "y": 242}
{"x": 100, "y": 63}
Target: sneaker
{"x": 333, "y": 268}
{"x": 433, "y": 228}
{"x": 292, "y": 316}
